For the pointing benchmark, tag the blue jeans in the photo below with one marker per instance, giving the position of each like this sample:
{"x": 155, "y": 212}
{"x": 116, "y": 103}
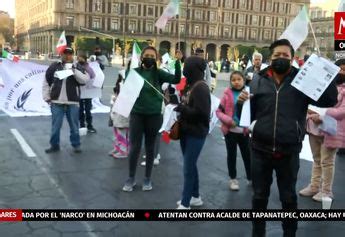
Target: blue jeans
{"x": 72, "y": 114}
{"x": 191, "y": 147}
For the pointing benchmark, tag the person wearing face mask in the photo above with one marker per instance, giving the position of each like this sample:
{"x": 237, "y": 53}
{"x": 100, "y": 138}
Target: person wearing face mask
{"x": 325, "y": 146}
{"x": 87, "y": 92}
{"x": 194, "y": 128}
{"x": 63, "y": 95}
{"x": 146, "y": 118}
{"x": 278, "y": 114}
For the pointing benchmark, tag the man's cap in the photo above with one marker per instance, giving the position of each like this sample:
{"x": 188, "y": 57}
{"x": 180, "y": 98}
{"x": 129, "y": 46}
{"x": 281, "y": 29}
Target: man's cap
{"x": 68, "y": 50}
{"x": 340, "y": 62}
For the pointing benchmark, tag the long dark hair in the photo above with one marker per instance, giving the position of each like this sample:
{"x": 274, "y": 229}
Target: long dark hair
{"x": 143, "y": 52}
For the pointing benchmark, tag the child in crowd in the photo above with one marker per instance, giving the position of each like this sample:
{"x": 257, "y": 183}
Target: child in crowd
{"x": 120, "y": 125}
{"x": 234, "y": 135}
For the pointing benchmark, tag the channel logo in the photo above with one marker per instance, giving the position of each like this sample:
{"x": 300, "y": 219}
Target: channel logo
{"x": 339, "y": 31}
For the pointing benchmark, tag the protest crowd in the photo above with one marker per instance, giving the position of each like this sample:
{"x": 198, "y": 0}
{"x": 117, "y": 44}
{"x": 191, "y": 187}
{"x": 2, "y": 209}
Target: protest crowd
{"x": 262, "y": 111}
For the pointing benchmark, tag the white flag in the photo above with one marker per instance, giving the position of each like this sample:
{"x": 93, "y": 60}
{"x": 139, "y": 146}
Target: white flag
{"x": 62, "y": 43}
{"x": 297, "y": 31}
{"x": 341, "y": 7}
{"x": 169, "y": 12}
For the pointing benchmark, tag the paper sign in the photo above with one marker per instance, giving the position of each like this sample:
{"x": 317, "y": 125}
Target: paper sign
{"x": 213, "y": 117}
{"x": 63, "y": 74}
{"x": 245, "y": 115}
{"x": 169, "y": 118}
{"x": 99, "y": 75}
{"x": 129, "y": 93}
{"x": 315, "y": 76}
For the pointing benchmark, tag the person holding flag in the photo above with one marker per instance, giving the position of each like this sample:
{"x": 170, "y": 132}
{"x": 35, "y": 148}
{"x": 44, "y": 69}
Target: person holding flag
{"x": 145, "y": 117}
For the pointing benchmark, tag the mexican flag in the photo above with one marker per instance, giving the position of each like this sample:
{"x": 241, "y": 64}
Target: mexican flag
{"x": 62, "y": 43}
{"x": 135, "y": 56}
{"x": 9, "y": 56}
{"x": 169, "y": 12}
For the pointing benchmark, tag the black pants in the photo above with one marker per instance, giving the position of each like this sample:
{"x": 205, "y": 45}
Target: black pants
{"x": 286, "y": 169}
{"x": 85, "y": 112}
{"x": 142, "y": 125}
{"x": 231, "y": 141}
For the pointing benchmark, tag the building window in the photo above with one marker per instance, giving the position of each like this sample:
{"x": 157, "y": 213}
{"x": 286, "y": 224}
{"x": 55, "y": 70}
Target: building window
{"x": 226, "y": 32}
{"x": 280, "y": 22}
{"x": 213, "y": 16}
{"x": 167, "y": 28}
{"x": 279, "y": 33}
{"x": 267, "y": 21}
{"x": 132, "y": 26}
{"x": 96, "y": 23}
{"x": 253, "y": 34}
{"x": 227, "y": 17}
{"x": 243, "y": 4}
{"x": 267, "y": 35}
{"x": 198, "y": 15}
{"x": 214, "y": 3}
{"x": 281, "y": 7}
{"x": 115, "y": 7}
{"x": 196, "y": 30}
{"x": 69, "y": 4}
{"x": 240, "y": 33}
{"x": 150, "y": 11}
{"x": 182, "y": 29}
{"x": 70, "y": 20}
{"x": 97, "y": 5}
{"x": 269, "y": 5}
{"x": 114, "y": 25}
{"x": 149, "y": 27}
{"x": 183, "y": 12}
{"x": 255, "y": 20}
{"x": 227, "y": 3}
{"x": 241, "y": 18}
{"x": 257, "y": 5}
{"x": 132, "y": 9}
{"x": 199, "y": 1}
{"x": 212, "y": 31}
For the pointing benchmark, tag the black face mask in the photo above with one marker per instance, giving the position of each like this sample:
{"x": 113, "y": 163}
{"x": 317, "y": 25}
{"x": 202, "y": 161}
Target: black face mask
{"x": 281, "y": 65}
{"x": 149, "y": 62}
{"x": 340, "y": 79}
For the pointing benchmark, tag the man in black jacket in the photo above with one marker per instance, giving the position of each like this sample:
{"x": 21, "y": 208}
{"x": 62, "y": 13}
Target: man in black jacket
{"x": 63, "y": 95}
{"x": 278, "y": 128}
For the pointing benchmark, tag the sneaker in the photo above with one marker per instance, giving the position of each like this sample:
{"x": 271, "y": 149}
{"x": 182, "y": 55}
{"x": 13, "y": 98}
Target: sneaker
{"x": 129, "y": 185}
{"x": 91, "y": 130}
{"x": 308, "y": 191}
{"x": 147, "y": 186}
{"x": 318, "y": 197}
{"x": 233, "y": 184}
{"x": 119, "y": 156}
{"x": 112, "y": 152}
{"x": 181, "y": 207}
{"x": 52, "y": 149}
{"x": 77, "y": 149}
{"x": 194, "y": 202}
{"x": 155, "y": 162}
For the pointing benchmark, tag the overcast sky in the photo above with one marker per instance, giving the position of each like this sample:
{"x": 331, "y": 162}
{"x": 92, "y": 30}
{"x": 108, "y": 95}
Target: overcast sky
{"x": 8, "y": 5}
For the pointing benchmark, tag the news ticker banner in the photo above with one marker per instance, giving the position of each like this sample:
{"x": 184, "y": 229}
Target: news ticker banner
{"x": 13, "y": 215}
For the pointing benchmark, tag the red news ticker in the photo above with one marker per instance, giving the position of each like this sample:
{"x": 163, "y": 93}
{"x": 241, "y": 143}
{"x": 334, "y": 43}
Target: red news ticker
{"x": 11, "y": 215}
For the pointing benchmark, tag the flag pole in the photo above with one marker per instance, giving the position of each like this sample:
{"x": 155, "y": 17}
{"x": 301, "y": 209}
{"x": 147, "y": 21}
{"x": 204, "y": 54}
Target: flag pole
{"x": 316, "y": 44}
{"x": 178, "y": 27}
